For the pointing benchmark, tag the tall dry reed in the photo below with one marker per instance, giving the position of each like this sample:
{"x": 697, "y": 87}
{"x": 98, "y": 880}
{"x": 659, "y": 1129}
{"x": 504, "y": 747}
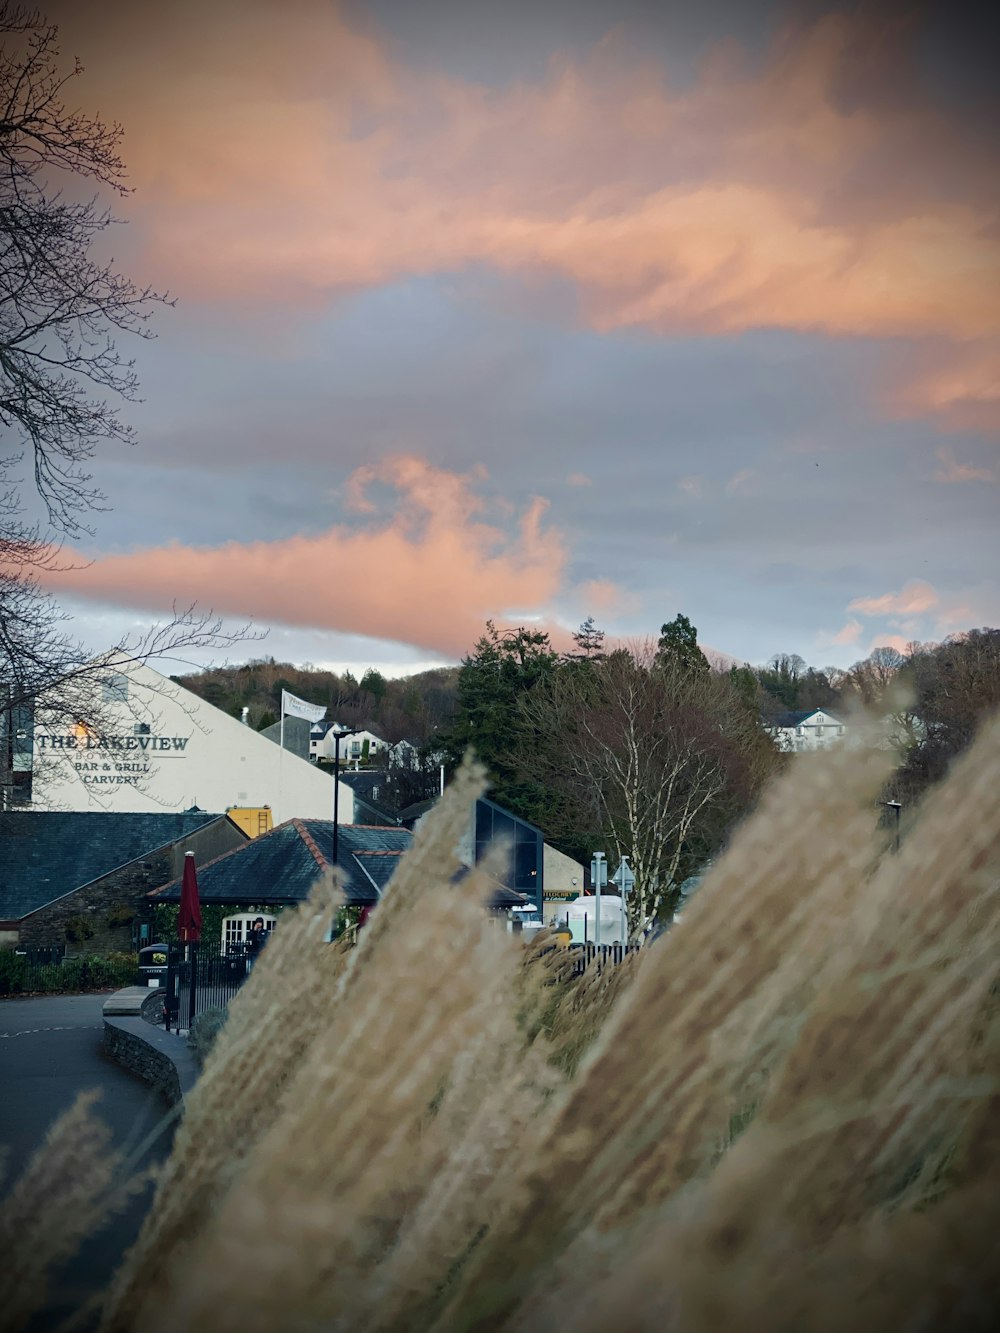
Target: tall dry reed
{"x": 68, "y": 1189}
{"x": 782, "y": 1115}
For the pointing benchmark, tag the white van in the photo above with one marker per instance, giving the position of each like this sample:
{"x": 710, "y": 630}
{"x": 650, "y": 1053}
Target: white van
{"x": 580, "y": 918}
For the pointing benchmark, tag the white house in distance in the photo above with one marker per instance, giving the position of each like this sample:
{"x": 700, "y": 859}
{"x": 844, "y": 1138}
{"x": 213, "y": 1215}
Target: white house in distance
{"x": 352, "y": 748}
{"x": 162, "y": 748}
{"x": 813, "y": 729}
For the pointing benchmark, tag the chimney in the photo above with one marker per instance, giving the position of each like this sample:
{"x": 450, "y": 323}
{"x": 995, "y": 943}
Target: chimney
{"x": 245, "y": 716}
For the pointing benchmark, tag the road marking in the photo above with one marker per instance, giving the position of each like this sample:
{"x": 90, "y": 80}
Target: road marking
{"x": 69, "y": 1027}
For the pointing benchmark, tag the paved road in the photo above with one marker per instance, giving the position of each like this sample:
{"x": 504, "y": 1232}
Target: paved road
{"x": 50, "y": 1049}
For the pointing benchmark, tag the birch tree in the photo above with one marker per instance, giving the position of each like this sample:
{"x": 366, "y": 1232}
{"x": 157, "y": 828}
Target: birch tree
{"x": 657, "y": 761}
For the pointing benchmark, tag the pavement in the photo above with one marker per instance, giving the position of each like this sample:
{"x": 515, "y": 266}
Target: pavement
{"x": 51, "y": 1049}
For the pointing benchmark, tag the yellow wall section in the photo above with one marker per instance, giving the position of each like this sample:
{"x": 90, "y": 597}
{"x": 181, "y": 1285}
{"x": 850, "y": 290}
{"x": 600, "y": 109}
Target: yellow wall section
{"x": 252, "y": 819}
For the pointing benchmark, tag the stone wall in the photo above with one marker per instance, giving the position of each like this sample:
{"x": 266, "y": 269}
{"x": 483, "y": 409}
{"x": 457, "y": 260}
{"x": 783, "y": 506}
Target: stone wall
{"x": 159, "y": 1058}
{"x": 124, "y": 890}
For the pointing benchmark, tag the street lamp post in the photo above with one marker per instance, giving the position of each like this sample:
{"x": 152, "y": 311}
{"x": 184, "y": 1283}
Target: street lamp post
{"x": 897, "y": 807}
{"x": 338, "y": 735}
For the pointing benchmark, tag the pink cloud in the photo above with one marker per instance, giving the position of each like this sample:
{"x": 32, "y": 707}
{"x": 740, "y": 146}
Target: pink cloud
{"x": 916, "y": 598}
{"x": 952, "y": 472}
{"x": 605, "y": 597}
{"x": 889, "y": 641}
{"x": 428, "y": 572}
{"x": 692, "y": 486}
{"x": 957, "y": 383}
{"x": 849, "y": 634}
{"x": 579, "y": 479}
{"x": 802, "y": 195}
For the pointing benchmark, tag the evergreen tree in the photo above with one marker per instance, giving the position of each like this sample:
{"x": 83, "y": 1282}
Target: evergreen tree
{"x": 374, "y": 683}
{"x": 503, "y": 669}
{"x": 677, "y": 648}
{"x": 589, "y": 642}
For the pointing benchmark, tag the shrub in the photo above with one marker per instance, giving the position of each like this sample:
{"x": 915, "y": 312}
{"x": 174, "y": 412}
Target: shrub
{"x": 120, "y": 914}
{"x": 205, "y": 1030}
{"x": 20, "y": 976}
{"x": 78, "y": 929}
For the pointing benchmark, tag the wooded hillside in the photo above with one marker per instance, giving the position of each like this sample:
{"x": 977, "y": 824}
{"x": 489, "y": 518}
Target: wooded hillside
{"x": 409, "y": 708}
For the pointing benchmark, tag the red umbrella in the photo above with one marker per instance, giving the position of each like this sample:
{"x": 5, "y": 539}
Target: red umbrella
{"x": 189, "y": 918}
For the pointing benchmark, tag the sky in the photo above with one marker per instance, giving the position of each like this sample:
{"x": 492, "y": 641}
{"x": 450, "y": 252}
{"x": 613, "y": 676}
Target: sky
{"x": 535, "y": 312}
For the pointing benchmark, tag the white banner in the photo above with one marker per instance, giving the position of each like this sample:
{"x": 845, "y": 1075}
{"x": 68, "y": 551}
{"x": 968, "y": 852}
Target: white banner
{"x": 292, "y": 706}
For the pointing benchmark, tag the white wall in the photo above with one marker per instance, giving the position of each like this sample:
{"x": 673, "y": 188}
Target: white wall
{"x": 165, "y": 749}
{"x": 562, "y": 876}
{"x": 326, "y": 747}
{"x": 817, "y": 732}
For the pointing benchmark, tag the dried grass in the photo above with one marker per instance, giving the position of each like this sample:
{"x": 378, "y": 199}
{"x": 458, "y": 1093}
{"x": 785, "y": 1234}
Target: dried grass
{"x": 782, "y": 1115}
{"x": 66, "y": 1192}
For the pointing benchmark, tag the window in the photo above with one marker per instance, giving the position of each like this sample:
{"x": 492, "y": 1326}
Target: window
{"x": 819, "y": 732}
{"x": 115, "y": 689}
{"x": 236, "y": 928}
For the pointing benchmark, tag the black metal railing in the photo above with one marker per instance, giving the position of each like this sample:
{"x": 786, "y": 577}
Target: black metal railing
{"x": 583, "y": 956}
{"x": 196, "y": 981}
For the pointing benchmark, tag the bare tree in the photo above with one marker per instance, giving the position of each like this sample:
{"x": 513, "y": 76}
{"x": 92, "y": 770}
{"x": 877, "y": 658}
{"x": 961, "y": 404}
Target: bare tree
{"x": 60, "y": 306}
{"x": 62, "y": 379}
{"x": 658, "y": 761}
{"x": 47, "y": 677}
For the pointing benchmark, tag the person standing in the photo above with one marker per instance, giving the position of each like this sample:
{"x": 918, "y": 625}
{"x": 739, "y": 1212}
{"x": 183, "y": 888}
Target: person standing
{"x": 255, "y": 940}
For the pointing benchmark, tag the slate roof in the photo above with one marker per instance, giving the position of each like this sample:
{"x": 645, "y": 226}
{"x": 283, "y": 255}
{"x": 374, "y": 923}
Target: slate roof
{"x": 46, "y": 854}
{"x": 796, "y": 719}
{"x": 281, "y": 867}
{"x": 297, "y": 733}
{"x": 363, "y": 781}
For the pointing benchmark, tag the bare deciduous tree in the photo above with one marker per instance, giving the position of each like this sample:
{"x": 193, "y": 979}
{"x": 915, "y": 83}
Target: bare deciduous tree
{"x": 61, "y": 307}
{"x": 658, "y": 761}
{"x": 62, "y": 378}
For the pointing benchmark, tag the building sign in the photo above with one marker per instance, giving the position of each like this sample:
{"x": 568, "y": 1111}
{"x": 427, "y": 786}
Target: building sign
{"x": 113, "y": 760}
{"x": 86, "y": 741}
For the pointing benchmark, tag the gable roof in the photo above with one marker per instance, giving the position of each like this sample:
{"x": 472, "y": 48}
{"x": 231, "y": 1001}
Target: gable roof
{"x": 796, "y": 719}
{"x": 363, "y": 782}
{"x": 46, "y": 854}
{"x": 281, "y": 867}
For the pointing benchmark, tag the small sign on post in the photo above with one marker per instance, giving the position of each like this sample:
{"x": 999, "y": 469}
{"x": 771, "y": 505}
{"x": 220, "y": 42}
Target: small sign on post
{"x": 624, "y": 877}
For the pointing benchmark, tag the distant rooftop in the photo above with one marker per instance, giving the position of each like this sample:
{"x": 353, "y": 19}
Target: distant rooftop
{"x": 282, "y": 866}
{"x": 46, "y": 854}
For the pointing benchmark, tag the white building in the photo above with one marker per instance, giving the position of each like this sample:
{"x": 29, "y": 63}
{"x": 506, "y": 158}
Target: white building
{"x": 813, "y": 729}
{"x": 564, "y": 877}
{"x": 358, "y": 748}
{"x": 161, "y": 748}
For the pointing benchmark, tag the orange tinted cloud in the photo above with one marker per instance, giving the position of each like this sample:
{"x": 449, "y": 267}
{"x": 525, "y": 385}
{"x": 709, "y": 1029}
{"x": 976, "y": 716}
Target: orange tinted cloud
{"x": 952, "y": 472}
{"x": 916, "y": 598}
{"x": 850, "y": 633}
{"x": 804, "y": 195}
{"x": 429, "y": 572}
